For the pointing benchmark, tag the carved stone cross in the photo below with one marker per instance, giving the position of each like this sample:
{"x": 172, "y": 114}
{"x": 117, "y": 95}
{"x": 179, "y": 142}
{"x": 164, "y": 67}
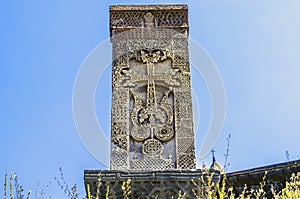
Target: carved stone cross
{"x": 152, "y": 120}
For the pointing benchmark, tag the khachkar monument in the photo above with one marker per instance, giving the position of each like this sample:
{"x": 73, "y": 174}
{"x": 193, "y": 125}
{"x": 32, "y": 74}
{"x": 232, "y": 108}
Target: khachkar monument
{"x": 152, "y": 137}
{"x": 152, "y": 119}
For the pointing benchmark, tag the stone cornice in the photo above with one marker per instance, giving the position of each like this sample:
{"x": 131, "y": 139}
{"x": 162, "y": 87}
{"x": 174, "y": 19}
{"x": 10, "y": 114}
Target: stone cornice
{"x": 148, "y": 7}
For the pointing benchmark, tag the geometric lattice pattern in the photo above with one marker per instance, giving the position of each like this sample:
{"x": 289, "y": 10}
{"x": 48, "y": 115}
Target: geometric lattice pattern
{"x": 186, "y": 161}
{"x": 150, "y": 163}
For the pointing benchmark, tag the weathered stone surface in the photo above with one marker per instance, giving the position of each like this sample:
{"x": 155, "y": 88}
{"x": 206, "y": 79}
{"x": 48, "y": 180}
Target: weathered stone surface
{"x": 152, "y": 138}
{"x": 152, "y": 119}
{"x": 128, "y": 17}
{"x": 149, "y": 184}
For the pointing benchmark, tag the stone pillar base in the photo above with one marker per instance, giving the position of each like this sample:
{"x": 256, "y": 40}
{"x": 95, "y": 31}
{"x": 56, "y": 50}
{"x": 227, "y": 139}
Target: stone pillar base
{"x": 148, "y": 184}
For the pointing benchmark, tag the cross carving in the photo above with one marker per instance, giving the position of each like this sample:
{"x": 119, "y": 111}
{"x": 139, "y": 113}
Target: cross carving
{"x": 149, "y": 58}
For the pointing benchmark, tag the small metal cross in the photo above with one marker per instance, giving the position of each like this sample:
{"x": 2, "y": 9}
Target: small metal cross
{"x": 213, "y": 152}
{"x": 213, "y": 155}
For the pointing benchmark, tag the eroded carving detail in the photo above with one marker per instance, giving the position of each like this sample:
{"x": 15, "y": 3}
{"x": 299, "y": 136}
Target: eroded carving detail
{"x": 119, "y": 159}
{"x": 152, "y": 107}
{"x": 149, "y": 19}
{"x": 155, "y": 16}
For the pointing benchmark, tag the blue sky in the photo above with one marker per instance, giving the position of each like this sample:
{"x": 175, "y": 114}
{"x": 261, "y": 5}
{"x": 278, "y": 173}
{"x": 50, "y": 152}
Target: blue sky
{"x": 255, "y": 45}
